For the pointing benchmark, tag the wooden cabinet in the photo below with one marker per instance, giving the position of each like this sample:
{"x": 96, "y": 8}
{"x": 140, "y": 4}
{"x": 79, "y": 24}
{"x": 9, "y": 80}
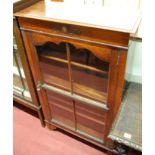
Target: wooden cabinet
{"x": 78, "y": 71}
{"x": 76, "y": 80}
{"x": 24, "y": 91}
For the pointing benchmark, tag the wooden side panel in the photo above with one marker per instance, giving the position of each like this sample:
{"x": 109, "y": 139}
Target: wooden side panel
{"x": 116, "y": 82}
{"x": 111, "y": 93}
{"x": 120, "y": 82}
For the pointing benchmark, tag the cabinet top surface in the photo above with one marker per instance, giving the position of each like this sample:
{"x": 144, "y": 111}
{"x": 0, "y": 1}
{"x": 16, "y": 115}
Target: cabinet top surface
{"x": 123, "y": 20}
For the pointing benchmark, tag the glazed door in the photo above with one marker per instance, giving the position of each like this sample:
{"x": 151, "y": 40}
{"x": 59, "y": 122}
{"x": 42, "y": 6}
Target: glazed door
{"x": 20, "y": 87}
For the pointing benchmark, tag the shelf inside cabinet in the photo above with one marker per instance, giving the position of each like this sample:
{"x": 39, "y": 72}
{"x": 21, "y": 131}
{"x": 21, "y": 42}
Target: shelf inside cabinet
{"x": 85, "y": 57}
{"x": 50, "y": 57}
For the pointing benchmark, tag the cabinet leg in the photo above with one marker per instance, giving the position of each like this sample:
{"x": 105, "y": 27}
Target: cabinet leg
{"x": 41, "y": 117}
{"x": 51, "y": 127}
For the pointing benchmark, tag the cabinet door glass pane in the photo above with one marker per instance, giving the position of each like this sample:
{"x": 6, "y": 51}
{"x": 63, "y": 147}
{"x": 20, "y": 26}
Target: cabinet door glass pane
{"x": 62, "y": 110}
{"x": 18, "y": 59}
{"x": 90, "y": 121}
{"x": 53, "y": 65}
{"x": 91, "y": 78}
{"x": 19, "y": 80}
